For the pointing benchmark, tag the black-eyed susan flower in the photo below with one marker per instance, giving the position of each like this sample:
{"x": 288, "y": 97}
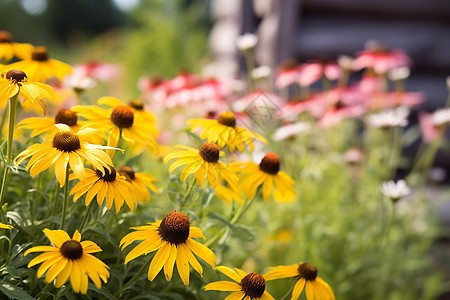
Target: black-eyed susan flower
{"x": 5, "y": 226}
{"x": 141, "y": 183}
{"x": 316, "y": 287}
{"x": 229, "y": 191}
{"x": 247, "y": 286}
{"x": 119, "y": 121}
{"x": 267, "y": 174}
{"x": 9, "y": 49}
{"x": 200, "y": 162}
{"x": 104, "y": 184}
{"x": 173, "y": 239}
{"x": 224, "y": 131}
{"x": 65, "y": 148}
{"x": 68, "y": 257}
{"x": 41, "y": 125}
{"x": 16, "y": 82}
{"x": 40, "y": 67}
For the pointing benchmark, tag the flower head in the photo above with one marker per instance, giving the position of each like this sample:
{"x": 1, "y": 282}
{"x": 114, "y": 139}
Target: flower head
{"x": 173, "y": 239}
{"x": 9, "y": 49}
{"x": 267, "y": 174}
{"x": 40, "y": 67}
{"x": 224, "y": 131}
{"x": 64, "y": 149}
{"x": 246, "y": 286}
{"x": 41, "y": 125}
{"x": 290, "y": 130}
{"x": 68, "y": 257}
{"x": 390, "y": 118}
{"x": 316, "y": 287}
{"x": 16, "y": 82}
{"x": 380, "y": 58}
{"x": 141, "y": 183}
{"x": 247, "y": 41}
{"x": 441, "y": 117}
{"x": 395, "y": 190}
{"x": 202, "y": 162}
{"x": 107, "y": 184}
{"x": 120, "y": 121}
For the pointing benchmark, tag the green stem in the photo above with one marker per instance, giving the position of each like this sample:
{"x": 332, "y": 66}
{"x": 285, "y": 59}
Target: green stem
{"x": 55, "y": 199}
{"x": 183, "y": 201}
{"x": 66, "y": 197}
{"x": 88, "y": 211}
{"x": 244, "y": 207}
{"x": 135, "y": 277}
{"x": 250, "y": 62}
{"x": 12, "y": 122}
{"x": 2, "y": 124}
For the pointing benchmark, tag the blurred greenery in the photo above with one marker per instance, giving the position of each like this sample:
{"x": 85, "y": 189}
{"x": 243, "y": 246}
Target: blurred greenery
{"x": 156, "y": 37}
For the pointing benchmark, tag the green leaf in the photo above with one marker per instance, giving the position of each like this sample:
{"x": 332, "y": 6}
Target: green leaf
{"x": 14, "y": 292}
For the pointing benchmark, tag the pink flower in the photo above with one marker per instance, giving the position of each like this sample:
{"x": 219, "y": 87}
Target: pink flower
{"x": 380, "y": 100}
{"x": 287, "y": 74}
{"x": 427, "y": 127}
{"x": 260, "y": 100}
{"x": 381, "y": 59}
{"x": 311, "y": 72}
{"x": 334, "y": 116}
{"x": 98, "y": 70}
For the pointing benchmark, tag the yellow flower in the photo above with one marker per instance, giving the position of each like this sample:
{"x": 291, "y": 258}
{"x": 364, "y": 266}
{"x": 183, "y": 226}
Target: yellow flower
{"x": 229, "y": 192}
{"x": 16, "y": 81}
{"x": 107, "y": 184}
{"x": 200, "y": 162}
{"x": 40, "y": 67}
{"x": 119, "y": 121}
{"x": 66, "y": 148}
{"x": 9, "y": 49}
{"x": 267, "y": 174}
{"x": 172, "y": 238}
{"x": 41, "y": 125}
{"x": 224, "y": 131}
{"x": 141, "y": 182}
{"x": 316, "y": 287}
{"x": 5, "y": 226}
{"x": 247, "y": 286}
{"x": 69, "y": 258}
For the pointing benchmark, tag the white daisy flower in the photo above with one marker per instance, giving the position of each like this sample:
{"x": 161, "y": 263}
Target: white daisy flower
{"x": 390, "y": 118}
{"x": 261, "y": 72}
{"x": 441, "y": 117}
{"x": 247, "y": 41}
{"x": 290, "y": 130}
{"x": 395, "y": 191}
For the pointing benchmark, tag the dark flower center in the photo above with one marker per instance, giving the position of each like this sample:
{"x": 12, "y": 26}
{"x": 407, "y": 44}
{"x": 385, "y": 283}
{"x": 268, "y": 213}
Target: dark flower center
{"x": 174, "y": 228}
{"x": 308, "y": 271}
{"x": 110, "y": 175}
{"x": 136, "y": 104}
{"x": 270, "y": 163}
{"x": 66, "y": 141}
{"x": 5, "y": 37}
{"x": 66, "y": 116}
{"x": 128, "y": 172}
{"x": 71, "y": 249}
{"x": 209, "y": 152}
{"x": 39, "y": 54}
{"x": 16, "y": 76}
{"x": 122, "y": 116}
{"x": 253, "y": 285}
{"x": 227, "y": 119}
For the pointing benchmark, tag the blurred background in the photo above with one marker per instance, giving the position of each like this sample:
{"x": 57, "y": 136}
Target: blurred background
{"x": 149, "y": 37}
{"x": 160, "y": 38}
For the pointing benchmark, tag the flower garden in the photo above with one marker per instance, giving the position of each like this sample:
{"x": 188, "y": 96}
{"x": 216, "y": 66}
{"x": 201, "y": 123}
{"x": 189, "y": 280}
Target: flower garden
{"x": 294, "y": 183}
